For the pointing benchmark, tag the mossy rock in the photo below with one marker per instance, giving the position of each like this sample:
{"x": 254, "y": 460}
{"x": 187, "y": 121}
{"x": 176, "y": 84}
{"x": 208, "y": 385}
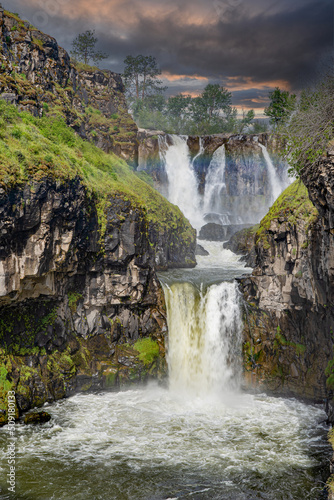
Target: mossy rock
{"x": 37, "y": 417}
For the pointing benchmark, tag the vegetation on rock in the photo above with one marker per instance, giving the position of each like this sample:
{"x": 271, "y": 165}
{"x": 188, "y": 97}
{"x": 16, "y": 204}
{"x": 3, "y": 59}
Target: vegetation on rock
{"x": 311, "y": 129}
{"x": 292, "y": 205}
{"x": 34, "y": 148}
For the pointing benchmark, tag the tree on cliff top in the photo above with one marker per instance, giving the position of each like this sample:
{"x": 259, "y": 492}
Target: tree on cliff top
{"x": 282, "y": 104}
{"x": 311, "y": 128}
{"x": 84, "y": 48}
{"x": 141, "y": 77}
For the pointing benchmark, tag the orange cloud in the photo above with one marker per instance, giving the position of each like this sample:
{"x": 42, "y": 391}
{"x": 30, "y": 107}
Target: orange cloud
{"x": 174, "y": 78}
{"x": 235, "y": 83}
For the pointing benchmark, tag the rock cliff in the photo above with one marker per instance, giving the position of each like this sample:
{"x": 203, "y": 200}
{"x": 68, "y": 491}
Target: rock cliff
{"x": 81, "y": 236}
{"x": 37, "y": 75}
{"x": 290, "y": 319}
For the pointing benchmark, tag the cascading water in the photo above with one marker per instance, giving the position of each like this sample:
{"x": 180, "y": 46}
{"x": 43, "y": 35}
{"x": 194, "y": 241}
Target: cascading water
{"x": 182, "y": 182}
{"x": 200, "y": 438}
{"x": 204, "y": 338}
{"x": 275, "y": 183}
{"x": 215, "y": 183}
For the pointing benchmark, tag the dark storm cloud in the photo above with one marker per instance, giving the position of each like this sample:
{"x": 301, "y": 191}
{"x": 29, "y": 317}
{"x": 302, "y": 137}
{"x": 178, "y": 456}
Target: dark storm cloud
{"x": 248, "y": 46}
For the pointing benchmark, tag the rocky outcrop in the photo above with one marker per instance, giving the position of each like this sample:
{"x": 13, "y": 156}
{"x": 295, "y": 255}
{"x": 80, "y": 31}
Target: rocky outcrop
{"x": 76, "y": 312}
{"x": 289, "y": 319}
{"x": 243, "y": 243}
{"x": 218, "y": 232}
{"x": 38, "y": 76}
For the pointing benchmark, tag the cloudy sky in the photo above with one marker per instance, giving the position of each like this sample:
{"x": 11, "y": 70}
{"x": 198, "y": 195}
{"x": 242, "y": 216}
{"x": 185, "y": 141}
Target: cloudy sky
{"x": 249, "y": 46}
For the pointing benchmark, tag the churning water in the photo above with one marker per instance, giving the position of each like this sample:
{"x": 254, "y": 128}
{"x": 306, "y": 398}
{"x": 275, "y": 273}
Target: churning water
{"x": 201, "y": 438}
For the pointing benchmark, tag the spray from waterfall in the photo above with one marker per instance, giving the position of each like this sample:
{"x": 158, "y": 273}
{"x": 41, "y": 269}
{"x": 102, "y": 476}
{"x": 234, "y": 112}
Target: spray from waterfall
{"x": 275, "y": 183}
{"x": 215, "y": 183}
{"x": 182, "y": 182}
{"x": 204, "y": 338}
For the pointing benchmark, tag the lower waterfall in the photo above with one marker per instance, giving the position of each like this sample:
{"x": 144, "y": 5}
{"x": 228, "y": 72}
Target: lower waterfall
{"x": 203, "y": 437}
{"x": 204, "y": 338}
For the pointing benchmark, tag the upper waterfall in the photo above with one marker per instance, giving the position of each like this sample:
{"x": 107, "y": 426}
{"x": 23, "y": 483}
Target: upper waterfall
{"x": 275, "y": 183}
{"x": 182, "y": 182}
{"x": 215, "y": 182}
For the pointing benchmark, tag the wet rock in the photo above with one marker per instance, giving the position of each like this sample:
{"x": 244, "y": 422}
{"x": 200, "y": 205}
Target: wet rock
{"x": 37, "y": 417}
{"x": 218, "y": 232}
{"x": 243, "y": 243}
{"x": 201, "y": 251}
{"x": 66, "y": 300}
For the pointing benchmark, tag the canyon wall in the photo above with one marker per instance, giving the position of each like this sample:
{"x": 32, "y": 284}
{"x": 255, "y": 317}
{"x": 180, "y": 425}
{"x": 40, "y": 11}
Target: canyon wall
{"x": 289, "y": 319}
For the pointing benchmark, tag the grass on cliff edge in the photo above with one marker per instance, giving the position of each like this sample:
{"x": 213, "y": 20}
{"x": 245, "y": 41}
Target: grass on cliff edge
{"x": 32, "y": 149}
{"x": 292, "y": 205}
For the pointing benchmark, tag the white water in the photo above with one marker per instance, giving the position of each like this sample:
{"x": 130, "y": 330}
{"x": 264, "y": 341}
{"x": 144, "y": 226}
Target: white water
{"x": 204, "y": 338}
{"x": 182, "y": 182}
{"x": 215, "y": 182}
{"x": 154, "y": 444}
{"x": 200, "y": 439}
{"x": 275, "y": 183}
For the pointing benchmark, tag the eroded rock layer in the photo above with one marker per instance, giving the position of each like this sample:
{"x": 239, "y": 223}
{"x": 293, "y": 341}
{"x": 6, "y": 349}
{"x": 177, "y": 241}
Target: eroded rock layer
{"x": 76, "y": 312}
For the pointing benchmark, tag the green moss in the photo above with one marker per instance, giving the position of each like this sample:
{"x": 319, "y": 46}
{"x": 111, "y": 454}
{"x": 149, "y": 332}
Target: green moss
{"x": 38, "y": 42}
{"x": 73, "y": 298}
{"x": 50, "y": 148}
{"x": 85, "y": 67}
{"x": 292, "y": 205}
{"x": 281, "y": 340}
{"x": 148, "y": 350}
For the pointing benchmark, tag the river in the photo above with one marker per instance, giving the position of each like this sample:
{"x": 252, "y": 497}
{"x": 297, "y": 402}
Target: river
{"x": 199, "y": 437}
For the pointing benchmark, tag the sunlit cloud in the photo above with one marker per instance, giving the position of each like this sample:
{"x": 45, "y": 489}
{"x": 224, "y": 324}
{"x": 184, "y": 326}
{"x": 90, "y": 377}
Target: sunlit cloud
{"x": 248, "y": 46}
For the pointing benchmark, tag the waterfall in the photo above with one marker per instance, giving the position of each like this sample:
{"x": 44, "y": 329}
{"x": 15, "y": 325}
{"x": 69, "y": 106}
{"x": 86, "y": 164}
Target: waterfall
{"x": 204, "y": 338}
{"x": 182, "y": 182}
{"x": 215, "y": 182}
{"x": 200, "y": 152}
{"x": 275, "y": 183}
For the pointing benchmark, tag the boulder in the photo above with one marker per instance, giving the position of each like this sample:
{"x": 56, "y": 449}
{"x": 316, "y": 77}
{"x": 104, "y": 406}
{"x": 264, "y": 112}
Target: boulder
{"x": 201, "y": 251}
{"x": 37, "y": 417}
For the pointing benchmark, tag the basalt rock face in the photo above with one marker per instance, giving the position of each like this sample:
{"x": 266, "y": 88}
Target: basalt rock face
{"x": 289, "y": 321}
{"x": 38, "y": 76}
{"x": 77, "y": 310}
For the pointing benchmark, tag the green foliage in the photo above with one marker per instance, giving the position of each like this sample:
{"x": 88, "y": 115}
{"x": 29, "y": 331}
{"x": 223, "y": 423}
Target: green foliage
{"x": 141, "y": 77}
{"x": 311, "y": 128}
{"x": 281, "y": 106}
{"x": 292, "y": 205}
{"x": 209, "y": 113}
{"x": 148, "y": 349}
{"x": 73, "y": 298}
{"x": 47, "y": 147}
{"x": 83, "y": 48}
